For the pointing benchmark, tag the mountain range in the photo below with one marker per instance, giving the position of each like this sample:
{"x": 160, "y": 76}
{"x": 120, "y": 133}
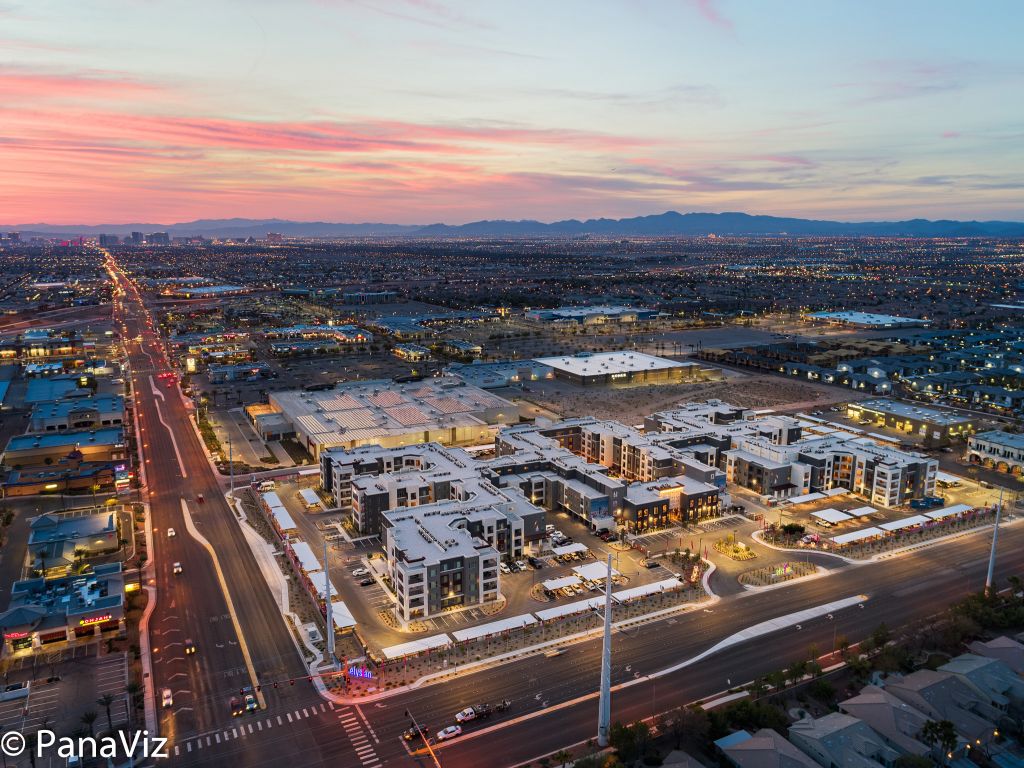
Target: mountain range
{"x": 666, "y": 224}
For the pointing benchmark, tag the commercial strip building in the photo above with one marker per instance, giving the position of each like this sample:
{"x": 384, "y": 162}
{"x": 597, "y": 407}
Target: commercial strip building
{"x": 106, "y": 444}
{"x": 57, "y": 541}
{"x": 43, "y": 344}
{"x": 343, "y": 334}
{"x": 595, "y": 315}
{"x": 369, "y": 297}
{"x": 77, "y": 413}
{"x": 46, "y": 611}
{"x": 626, "y": 368}
{"x": 867, "y": 320}
{"x": 444, "y": 410}
{"x": 205, "y": 291}
{"x": 936, "y": 426}
{"x": 502, "y": 373}
{"x": 997, "y": 449}
{"x": 414, "y": 353}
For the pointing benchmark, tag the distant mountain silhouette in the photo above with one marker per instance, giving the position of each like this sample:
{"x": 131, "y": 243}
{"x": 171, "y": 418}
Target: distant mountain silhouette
{"x": 664, "y": 225}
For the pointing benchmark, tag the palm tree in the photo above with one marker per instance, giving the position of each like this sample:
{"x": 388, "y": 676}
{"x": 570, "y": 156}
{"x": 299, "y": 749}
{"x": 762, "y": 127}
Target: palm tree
{"x": 134, "y": 688}
{"x": 105, "y": 701}
{"x": 941, "y": 734}
{"x": 562, "y": 757}
{"x": 88, "y": 719}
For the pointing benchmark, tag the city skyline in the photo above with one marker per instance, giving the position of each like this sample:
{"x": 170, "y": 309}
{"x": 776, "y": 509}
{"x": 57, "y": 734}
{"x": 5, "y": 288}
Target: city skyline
{"x": 421, "y": 111}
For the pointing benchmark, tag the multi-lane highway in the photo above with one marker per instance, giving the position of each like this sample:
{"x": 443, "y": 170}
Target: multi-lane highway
{"x": 553, "y": 700}
{"x": 192, "y": 605}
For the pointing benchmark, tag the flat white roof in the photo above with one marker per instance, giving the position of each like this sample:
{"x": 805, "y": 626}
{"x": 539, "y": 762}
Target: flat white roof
{"x": 309, "y": 497}
{"x": 954, "y": 509}
{"x": 593, "y": 571}
{"x": 861, "y": 511}
{"x": 906, "y": 522}
{"x": 835, "y": 492}
{"x": 646, "y": 589}
{"x": 946, "y": 477}
{"x": 569, "y": 549}
{"x": 866, "y": 318}
{"x": 601, "y": 363}
{"x": 304, "y": 554}
{"x": 282, "y": 518}
{"x": 416, "y": 646}
{"x": 271, "y": 499}
{"x": 342, "y": 616}
{"x": 494, "y": 628}
{"x": 565, "y": 581}
{"x": 590, "y": 604}
{"x": 831, "y": 515}
{"x": 806, "y": 497}
{"x": 863, "y": 533}
{"x": 319, "y": 582}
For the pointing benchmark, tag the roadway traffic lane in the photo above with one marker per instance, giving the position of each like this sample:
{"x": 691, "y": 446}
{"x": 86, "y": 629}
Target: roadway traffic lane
{"x": 271, "y": 648}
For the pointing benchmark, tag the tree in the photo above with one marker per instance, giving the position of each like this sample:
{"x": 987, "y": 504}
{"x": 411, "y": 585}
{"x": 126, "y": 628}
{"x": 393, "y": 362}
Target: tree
{"x": 105, "y": 701}
{"x": 940, "y": 733}
{"x": 562, "y": 757}
{"x": 776, "y": 679}
{"x": 881, "y": 635}
{"x": 88, "y": 720}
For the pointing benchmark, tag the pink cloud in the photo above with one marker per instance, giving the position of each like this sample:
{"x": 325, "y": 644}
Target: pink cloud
{"x": 19, "y": 82}
{"x": 708, "y": 9}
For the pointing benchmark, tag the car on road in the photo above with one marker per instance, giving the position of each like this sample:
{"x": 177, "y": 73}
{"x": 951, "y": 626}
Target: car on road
{"x": 469, "y": 713}
{"x": 200, "y": 499}
{"x": 361, "y": 572}
{"x": 554, "y": 652}
{"x": 449, "y": 733}
{"x": 166, "y": 698}
{"x": 237, "y": 708}
{"x": 250, "y": 700}
{"x": 416, "y": 732}
{"x": 190, "y": 647}
{"x": 651, "y": 564}
{"x": 176, "y": 568}
{"x": 365, "y": 582}
{"x": 170, "y": 533}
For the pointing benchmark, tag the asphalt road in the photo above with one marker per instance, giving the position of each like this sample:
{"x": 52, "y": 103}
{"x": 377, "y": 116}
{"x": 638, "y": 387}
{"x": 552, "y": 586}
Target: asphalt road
{"x": 192, "y": 605}
{"x": 553, "y": 699}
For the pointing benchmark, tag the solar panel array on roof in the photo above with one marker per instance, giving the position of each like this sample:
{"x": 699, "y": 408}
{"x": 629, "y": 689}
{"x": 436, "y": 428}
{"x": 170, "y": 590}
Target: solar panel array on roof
{"x": 447, "y": 404}
{"x": 385, "y": 399}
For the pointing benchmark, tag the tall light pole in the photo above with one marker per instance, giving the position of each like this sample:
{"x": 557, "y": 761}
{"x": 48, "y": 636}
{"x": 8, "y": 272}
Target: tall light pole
{"x": 992, "y": 553}
{"x": 604, "y": 709}
{"x": 330, "y": 608}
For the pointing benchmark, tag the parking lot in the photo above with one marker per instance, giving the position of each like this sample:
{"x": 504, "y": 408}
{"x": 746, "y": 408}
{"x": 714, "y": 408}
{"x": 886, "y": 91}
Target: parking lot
{"x": 65, "y": 684}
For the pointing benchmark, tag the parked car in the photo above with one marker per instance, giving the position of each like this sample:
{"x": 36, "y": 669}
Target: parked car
{"x": 520, "y": 565}
{"x": 467, "y": 714}
{"x": 449, "y": 733}
{"x": 365, "y": 582}
{"x": 361, "y": 572}
{"x": 504, "y": 568}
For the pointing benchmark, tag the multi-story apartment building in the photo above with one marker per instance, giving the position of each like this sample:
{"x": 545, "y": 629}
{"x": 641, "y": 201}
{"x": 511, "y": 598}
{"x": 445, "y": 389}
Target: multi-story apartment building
{"x": 998, "y": 450}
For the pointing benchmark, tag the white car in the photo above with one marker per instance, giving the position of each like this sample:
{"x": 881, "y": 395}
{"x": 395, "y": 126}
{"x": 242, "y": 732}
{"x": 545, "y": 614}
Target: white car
{"x": 466, "y": 715}
{"x": 166, "y": 699}
{"x": 521, "y": 565}
{"x": 449, "y": 733}
{"x": 361, "y": 572}
{"x": 170, "y": 533}
{"x": 504, "y": 568}
{"x": 177, "y": 568}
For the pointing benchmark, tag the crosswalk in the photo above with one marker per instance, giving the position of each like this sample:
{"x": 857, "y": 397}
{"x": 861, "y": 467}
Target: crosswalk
{"x": 248, "y": 726}
{"x": 360, "y": 734}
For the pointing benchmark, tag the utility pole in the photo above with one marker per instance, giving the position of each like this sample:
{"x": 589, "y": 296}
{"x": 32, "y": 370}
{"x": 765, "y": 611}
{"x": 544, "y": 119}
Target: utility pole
{"x": 330, "y": 609}
{"x": 992, "y": 553}
{"x": 433, "y": 756}
{"x": 231, "y": 465}
{"x": 604, "y": 709}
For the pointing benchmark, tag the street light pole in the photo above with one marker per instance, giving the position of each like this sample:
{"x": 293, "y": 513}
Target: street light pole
{"x": 426, "y": 741}
{"x": 992, "y": 552}
{"x": 604, "y": 710}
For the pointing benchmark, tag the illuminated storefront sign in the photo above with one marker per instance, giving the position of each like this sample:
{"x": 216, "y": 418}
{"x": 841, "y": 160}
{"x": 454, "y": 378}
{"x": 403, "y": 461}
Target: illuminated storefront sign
{"x": 95, "y": 620}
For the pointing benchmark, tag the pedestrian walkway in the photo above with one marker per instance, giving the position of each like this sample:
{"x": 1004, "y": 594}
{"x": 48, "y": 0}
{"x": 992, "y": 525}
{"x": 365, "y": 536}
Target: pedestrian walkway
{"x": 360, "y": 734}
{"x": 252, "y": 724}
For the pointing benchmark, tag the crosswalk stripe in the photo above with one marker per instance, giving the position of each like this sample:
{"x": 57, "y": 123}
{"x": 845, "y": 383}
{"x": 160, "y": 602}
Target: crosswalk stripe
{"x": 177, "y": 751}
{"x": 250, "y": 727}
{"x": 269, "y": 723}
{"x": 216, "y": 736}
{"x": 279, "y": 720}
{"x": 289, "y": 717}
{"x": 259, "y": 725}
{"x": 234, "y": 732}
{"x": 188, "y": 746}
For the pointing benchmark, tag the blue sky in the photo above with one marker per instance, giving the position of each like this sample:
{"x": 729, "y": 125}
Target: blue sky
{"x": 414, "y": 111}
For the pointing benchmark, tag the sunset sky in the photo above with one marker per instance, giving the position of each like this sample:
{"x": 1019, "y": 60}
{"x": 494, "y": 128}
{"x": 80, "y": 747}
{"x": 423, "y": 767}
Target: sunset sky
{"x": 415, "y": 111}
